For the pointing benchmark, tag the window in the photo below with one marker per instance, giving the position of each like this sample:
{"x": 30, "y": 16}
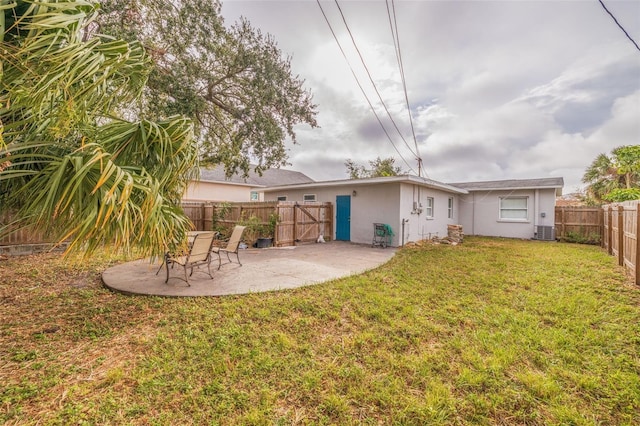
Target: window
{"x": 450, "y": 208}
{"x": 282, "y": 198}
{"x": 309, "y": 197}
{"x": 514, "y": 208}
{"x": 429, "y": 209}
{"x": 254, "y": 196}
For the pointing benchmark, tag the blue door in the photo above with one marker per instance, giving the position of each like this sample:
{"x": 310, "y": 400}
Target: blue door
{"x": 343, "y": 217}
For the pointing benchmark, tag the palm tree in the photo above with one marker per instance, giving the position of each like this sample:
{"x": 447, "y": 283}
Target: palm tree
{"x": 620, "y": 170}
{"x": 69, "y": 165}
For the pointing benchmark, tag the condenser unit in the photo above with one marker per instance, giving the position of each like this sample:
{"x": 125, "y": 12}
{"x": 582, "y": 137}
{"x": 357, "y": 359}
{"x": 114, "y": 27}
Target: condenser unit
{"x": 545, "y": 233}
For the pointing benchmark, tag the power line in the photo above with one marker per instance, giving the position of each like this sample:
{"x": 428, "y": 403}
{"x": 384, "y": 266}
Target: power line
{"x": 361, "y": 88}
{"x": 373, "y": 82}
{"x": 620, "y": 26}
{"x": 395, "y": 35}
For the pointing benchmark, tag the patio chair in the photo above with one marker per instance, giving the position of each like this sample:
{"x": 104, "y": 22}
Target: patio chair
{"x": 232, "y": 246}
{"x": 199, "y": 254}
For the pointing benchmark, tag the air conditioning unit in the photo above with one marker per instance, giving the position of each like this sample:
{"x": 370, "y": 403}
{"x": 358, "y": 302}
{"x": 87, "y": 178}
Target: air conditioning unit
{"x": 545, "y": 233}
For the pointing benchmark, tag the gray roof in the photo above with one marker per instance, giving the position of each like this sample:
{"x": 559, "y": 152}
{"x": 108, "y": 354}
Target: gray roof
{"x": 554, "y": 182}
{"x": 270, "y": 177}
{"x": 372, "y": 181}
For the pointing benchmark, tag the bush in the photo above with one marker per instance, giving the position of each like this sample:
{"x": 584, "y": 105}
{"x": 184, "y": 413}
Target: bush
{"x": 620, "y": 195}
{"x": 580, "y": 238}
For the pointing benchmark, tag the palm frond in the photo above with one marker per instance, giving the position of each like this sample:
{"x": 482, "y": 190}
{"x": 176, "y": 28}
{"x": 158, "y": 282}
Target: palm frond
{"x": 72, "y": 168}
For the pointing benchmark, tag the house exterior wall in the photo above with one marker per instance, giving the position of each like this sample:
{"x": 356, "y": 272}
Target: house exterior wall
{"x": 371, "y": 204}
{"x": 213, "y": 191}
{"x": 480, "y": 213}
{"x": 386, "y": 203}
{"x": 418, "y": 226}
{"x": 375, "y": 204}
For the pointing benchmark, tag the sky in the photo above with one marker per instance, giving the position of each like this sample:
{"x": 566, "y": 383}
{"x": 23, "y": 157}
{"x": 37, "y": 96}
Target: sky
{"x": 496, "y": 89}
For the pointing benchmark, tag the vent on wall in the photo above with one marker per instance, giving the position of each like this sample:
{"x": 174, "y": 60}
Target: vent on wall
{"x": 545, "y": 233}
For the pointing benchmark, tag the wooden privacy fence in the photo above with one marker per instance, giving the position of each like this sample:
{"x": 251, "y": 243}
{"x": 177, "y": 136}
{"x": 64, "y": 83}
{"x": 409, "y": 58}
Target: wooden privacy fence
{"x": 621, "y": 226}
{"x": 19, "y": 236}
{"x": 200, "y": 214}
{"x": 584, "y": 224}
{"x": 294, "y": 222}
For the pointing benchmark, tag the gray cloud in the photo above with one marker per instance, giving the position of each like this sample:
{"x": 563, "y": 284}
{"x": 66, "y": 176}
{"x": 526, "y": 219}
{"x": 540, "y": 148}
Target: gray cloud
{"x": 497, "y": 89}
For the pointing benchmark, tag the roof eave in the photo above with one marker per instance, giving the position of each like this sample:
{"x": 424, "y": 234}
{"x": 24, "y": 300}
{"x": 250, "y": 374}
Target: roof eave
{"x": 370, "y": 181}
{"x": 515, "y": 188}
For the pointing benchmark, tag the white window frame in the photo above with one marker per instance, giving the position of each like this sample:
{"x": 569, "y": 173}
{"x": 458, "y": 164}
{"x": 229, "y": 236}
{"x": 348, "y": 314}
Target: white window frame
{"x": 430, "y": 208}
{"x": 501, "y": 209}
{"x": 255, "y": 196}
{"x": 281, "y": 198}
{"x": 309, "y": 198}
{"x": 450, "y": 208}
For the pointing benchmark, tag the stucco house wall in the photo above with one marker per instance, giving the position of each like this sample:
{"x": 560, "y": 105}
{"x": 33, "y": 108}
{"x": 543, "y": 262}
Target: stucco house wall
{"x": 418, "y": 225}
{"x": 374, "y": 204}
{"x": 217, "y": 191}
{"x": 481, "y": 212}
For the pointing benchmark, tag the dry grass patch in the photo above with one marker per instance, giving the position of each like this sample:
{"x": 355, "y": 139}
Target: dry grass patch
{"x": 61, "y": 331}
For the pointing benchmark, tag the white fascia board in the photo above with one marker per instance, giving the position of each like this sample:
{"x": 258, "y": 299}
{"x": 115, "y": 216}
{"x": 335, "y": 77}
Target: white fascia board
{"x": 370, "y": 181}
{"x": 515, "y": 188}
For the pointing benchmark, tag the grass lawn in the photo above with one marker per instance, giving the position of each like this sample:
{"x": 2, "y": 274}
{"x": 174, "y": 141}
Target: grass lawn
{"x": 489, "y": 332}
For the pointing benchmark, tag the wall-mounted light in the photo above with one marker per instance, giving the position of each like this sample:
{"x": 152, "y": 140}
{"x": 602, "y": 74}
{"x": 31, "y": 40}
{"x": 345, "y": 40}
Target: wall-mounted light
{"x": 354, "y": 193}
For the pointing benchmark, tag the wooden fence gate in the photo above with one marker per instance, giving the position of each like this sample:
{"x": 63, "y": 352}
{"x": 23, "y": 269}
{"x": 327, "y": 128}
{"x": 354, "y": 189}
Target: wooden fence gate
{"x": 303, "y": 222}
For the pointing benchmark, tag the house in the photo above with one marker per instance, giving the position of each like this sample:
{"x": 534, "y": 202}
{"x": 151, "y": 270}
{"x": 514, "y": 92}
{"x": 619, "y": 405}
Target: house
{"x": 522, "y": 208}
{"x": 213, "y": 184}
{"x": 418, "y": 208}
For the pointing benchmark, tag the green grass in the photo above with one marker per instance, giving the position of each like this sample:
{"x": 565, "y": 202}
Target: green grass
{"x": 488, "y": 332}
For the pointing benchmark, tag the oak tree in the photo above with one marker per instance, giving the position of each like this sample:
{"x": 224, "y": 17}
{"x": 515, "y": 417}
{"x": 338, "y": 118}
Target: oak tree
{"x": 232, "y": 81}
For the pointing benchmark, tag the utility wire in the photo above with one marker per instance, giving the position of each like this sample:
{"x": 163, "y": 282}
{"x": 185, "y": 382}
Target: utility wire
{"x": 395, "y": 35}
{"x": 373, "y": 82}
{"x": 361, "y": 88}
{"x": 620, "y": 26}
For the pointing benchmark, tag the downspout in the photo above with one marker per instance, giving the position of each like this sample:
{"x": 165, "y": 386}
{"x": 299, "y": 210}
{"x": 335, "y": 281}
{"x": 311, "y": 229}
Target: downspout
{"x": 403, "y": 222}
{"x": 536, "y": 200}
{"x": 536, "y": 212}
{"x": 473, "y": 214}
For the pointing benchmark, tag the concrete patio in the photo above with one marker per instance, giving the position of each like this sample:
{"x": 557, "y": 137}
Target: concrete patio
{"x": 262, "y": 270}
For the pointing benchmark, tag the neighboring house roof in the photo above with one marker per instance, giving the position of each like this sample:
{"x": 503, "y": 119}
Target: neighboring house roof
{"x": 512, "y": 184}
{"x": 269, "y": 177}
{"x": 371, "y": 181}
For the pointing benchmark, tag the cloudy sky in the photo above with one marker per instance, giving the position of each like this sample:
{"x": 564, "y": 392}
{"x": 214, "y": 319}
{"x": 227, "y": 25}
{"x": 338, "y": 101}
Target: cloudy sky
{"x": 497, "y": 89}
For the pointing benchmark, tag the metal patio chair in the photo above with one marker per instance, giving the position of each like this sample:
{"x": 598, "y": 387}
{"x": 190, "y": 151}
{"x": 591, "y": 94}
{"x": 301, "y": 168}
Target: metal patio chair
{"x": 199, "y": 254}
{"x": 232, "y": 246}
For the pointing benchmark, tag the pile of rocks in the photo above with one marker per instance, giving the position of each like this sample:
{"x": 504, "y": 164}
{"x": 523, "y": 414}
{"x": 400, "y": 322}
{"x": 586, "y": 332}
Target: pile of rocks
{"x": 454, "y": 233}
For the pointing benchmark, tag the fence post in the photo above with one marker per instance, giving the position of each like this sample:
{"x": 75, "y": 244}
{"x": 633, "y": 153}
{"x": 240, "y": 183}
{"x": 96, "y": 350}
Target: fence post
{"x": 638, "y": 244}
{"x": 601, "y": 221}
{"x": 610, "y": 230}
{"x": 621, "y": 235}
{"x": 295, "y": 222}
{"x": 329, "y": 212}
{"x": 203, "y": 214}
